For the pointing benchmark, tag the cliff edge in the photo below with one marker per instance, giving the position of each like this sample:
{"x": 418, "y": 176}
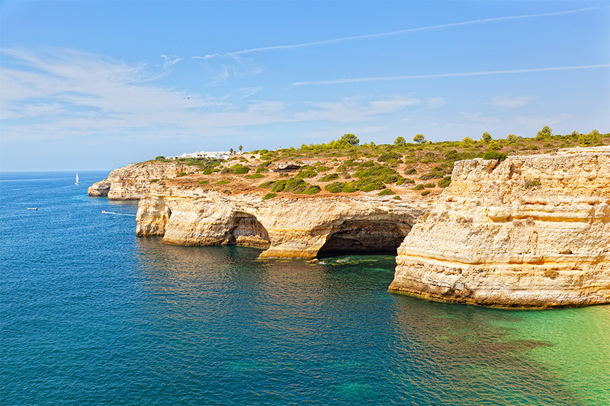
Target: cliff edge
{"x": 530, "y": 231}
{"x": 133, "y": 182}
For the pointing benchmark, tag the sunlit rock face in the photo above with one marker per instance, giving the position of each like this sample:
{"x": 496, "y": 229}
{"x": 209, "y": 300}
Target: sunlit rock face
{"x": 296, "y": 227}
{"x": 531, "y": 231}
{"x": 133, "y": 182}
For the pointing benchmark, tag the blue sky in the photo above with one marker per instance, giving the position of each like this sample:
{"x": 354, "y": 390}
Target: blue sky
{"x": 98, "y": 85}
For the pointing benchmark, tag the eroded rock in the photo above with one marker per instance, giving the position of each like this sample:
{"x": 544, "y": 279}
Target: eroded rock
{"x": 531, "y": 231}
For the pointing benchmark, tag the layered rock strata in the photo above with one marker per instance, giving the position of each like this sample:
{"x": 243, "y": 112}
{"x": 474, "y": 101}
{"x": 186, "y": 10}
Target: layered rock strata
{"x": 133, "y": 182}
{"x": 296, "y": 227}
{"x": 531, "y": 231}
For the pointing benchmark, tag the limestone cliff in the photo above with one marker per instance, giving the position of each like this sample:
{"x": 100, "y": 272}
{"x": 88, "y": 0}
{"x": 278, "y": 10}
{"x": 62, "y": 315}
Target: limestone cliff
{"x": 531, "y": 231}
{"x": 134, "y": 181}
{"x": 298, "y": 227}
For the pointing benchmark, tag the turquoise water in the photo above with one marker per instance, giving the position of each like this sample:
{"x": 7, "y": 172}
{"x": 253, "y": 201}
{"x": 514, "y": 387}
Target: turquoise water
{"x": 90, "y": 314}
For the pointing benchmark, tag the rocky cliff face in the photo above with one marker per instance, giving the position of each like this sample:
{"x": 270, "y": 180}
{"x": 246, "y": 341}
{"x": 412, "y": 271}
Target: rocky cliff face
{"x": 134, "y": 181}
{"x": 531, "y": 231}
{"x": 286, "y": 227}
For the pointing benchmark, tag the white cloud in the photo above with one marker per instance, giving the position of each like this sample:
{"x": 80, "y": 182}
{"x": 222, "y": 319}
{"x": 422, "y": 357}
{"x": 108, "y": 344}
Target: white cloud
{"x": 353, "y": 109}
{"x": 81, "y": 94}
{"x": 511, "y": 102}
{"x": 435, "y": 102}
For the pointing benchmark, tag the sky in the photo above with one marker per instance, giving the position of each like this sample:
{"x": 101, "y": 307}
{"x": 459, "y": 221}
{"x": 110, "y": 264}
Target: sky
{"x": 88, "y": 85}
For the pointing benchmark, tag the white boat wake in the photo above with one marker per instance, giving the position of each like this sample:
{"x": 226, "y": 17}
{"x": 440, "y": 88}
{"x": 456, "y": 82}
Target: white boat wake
{"x": 117, "y": 214}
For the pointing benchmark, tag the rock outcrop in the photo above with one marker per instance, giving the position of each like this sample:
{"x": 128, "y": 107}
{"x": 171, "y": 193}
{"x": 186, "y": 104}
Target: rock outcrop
{"x": 133, "y": 182}
{"x": 531, "y": 231}
{"x": 298, "y": 227}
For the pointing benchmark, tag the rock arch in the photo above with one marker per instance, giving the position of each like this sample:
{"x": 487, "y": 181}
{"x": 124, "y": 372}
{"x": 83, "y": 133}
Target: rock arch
{"x": 247, "y": 231}
{"x": 366, "y": 236}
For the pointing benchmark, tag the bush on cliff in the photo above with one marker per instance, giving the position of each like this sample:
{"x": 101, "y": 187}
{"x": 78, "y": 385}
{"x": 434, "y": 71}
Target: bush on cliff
{"x": 446, "y": 181}
{"x": 329, "y": 177}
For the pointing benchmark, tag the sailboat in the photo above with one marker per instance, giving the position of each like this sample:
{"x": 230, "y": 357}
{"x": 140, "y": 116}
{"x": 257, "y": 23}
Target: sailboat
{"x": 76, "y": 183}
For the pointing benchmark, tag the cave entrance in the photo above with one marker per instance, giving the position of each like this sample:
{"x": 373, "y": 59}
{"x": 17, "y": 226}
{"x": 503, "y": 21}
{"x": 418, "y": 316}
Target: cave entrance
{"x": 365, "y": 237}
{"x": 247, "y": 231}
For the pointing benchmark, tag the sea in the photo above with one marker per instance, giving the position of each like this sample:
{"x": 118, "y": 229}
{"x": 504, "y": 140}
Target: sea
{"x": 90, "y": 314}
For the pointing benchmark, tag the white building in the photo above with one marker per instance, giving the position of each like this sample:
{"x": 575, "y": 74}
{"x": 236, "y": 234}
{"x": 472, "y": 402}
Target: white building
{"x": 204, "y": 154}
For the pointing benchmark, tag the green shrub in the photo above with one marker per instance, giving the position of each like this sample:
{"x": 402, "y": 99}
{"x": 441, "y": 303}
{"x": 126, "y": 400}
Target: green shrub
{"x": 329, "y": 177}
{"x": 410, "y": 171}
{"x": 266, "y": 185}
{"x": 269, "y": 195}
{"x": 397, "y": 198}
{"x": 418, "y": 187}
{"x": 432, "y": 175}
{"x": 293, "y": 185}
{"x": 181, "y": 174}
{"x": 446, "y": 181}
{"x": 495, "y": 155}
{"x": 430, "y": 185}
{"x": 408, "y": 180}
{"x": 350, "y": 187}
{"x": 261, "y": 169}
{"x": 154, "y": 180}
{"x": 392, "y": 179}
{"x": 225, "y": 171}
{"x": 222, "y": 182}
{"x": 307, "y": 172}
{"x": 160, "y": 158}
{"x": 385, "y": 157}
{"x": 255, "y": 176}
{"x": 312, "y": 190}
{"x": 425, "y": 193}
{"x": 240, "y": 169}
{"x": 335, "y": 187}
{"x": 203, "y": 182}
{"x": 386, "y": 192}
{"x": 374, "y": 171}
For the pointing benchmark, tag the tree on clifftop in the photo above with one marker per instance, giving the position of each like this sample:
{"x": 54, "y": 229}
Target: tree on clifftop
{"x": 419, "y": 138}
{"x": 400, "y": 141}
{"x": 351, "y": 139}
{"x": 486, "y": 137}
{"x": 546, "y": 132}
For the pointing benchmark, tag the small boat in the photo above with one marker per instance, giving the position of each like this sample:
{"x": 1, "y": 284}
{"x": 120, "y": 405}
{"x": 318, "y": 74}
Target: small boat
{"x": 104, "y": 211}
{"x": 76, "y": 183}
{"x": 32, "y": 208}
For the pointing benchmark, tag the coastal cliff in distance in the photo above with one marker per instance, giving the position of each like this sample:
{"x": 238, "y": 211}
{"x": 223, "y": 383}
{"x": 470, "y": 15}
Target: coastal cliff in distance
{"x": 530, "y": 231}
{"x": 134, "y": 181}
{"x": 298, "y": 227}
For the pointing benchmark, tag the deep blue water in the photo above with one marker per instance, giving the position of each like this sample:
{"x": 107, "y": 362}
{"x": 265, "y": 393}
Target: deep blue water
{"x": 91, "y": 314}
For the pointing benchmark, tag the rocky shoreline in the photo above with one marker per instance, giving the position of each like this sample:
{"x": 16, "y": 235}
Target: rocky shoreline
{"x": 529, "y": 231}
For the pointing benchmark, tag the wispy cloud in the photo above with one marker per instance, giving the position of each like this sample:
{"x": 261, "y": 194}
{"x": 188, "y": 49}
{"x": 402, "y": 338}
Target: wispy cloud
{"x": 445, "y": 75}
{"x": 387, "y": 34}
{"x": 170, "y": 60}
{"x": 435, "y": 102}
{"x": 65, "y": 93}
{"x": 511, "y": 102}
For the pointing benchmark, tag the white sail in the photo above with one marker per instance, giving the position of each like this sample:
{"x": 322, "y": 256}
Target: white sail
{"x": 76, "y": 183}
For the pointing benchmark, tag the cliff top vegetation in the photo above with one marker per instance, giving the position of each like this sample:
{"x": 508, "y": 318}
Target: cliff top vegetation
{"x": 400, "y": 170}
